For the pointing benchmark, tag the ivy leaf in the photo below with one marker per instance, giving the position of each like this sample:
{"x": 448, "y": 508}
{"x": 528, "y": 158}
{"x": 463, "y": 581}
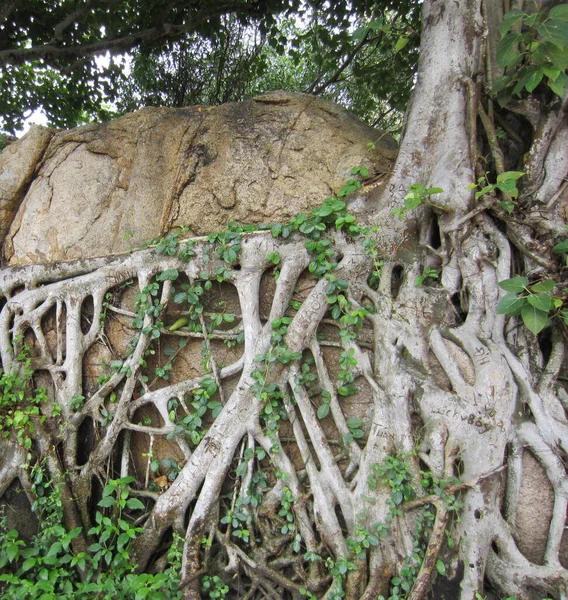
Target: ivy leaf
{"x": 511, "y": 304}
{"x": 347, "y": 390}
{"x": 500, "y": 84}
{"x": 541, "y": 301}
{"x": 515, "y": 284}
{"x": 535, "y": 320}
{"x": 440, "y": 567}
{"x": 507, "y": 206}
{"x": 323, "y": 411}
{"x": 353, "y": 423}
{"x": 168, "y": 274}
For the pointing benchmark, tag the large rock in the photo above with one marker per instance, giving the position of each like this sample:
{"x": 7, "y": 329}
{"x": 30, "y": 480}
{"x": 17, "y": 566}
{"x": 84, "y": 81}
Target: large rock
{"x": 102, "y": 189}
{"x": 18, "y": 162}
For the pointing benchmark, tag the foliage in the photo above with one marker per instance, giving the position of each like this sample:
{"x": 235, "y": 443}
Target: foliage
{"x": 418, "y": 195}
{"x": 22, "y": 404}
{"x": 49, "y": 567}
{"x": 188, "y": 54}
{"x": 533, "y": 47}
{"x": 506, "y": 183}
{"x": 533, "y": 303}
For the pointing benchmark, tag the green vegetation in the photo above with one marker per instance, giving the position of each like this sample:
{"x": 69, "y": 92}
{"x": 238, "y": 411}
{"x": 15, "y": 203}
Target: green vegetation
{"x": 533, "y": 47}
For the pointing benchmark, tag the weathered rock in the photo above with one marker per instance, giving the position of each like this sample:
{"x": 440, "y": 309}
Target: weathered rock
{"x": 18, "y": 162}
{"x": 102, "y": 189}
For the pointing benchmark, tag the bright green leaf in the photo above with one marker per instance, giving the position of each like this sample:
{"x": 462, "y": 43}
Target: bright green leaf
{"x": 534, "y": 319}
{"x": 401, "y": 43}
{"x": 510, "y": 175}
{"x": 168, "y": 274}
{"x": 135, "y": 504}
{"x": 511, "y": 304}
{"x": 515, "y": 284}
{"x": 541, "y": 301}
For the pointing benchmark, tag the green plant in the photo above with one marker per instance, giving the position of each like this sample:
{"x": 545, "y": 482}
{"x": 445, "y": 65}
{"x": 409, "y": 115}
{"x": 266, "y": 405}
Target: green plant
{"x": 533, "y": 47}
{"x": 428, "y": 273}
{"x": 214, "y": 586}
{"x": 532, "y": 302}
{"x": 418, "y": 195}
{"x": 20, "y": 402}
{"x": 286, "y": 511}
{"x": 395, "y": 472}
{"x": 506, "y": 183}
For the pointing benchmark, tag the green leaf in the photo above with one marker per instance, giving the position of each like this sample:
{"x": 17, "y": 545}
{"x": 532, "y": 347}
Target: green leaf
{"x": 401, "y": 43}
{"x": 440, "y": 567}
{"x": 168, "y": 274}
{"x": 108, "y": 501}
{"x": 511, "y": 304}
{"x": 559, "y": 12}
{"x": 532, "y": 80}
{"x": 507, "y": 206}
{"x": 514, "y": 175}
{"x": 353, "y": 423}
{"x": 510, "y": 20}
{"x": 347, "y": 390}
{"x": 561, "y": 247}
{"x": 555, "y": 31}
{"x": 508, "y": 50}
{"x": 515, "y": 284}
{"x": 543, "y": 286}
{"x": 541, "y": 301}
{"x": 559, "y": 85}
{"x": 179, "y": 324}
{"x": 500, "y": 84}
{"x": 535, "y": 320}
{"x": 135, "y": 504}
{"x": 323, "y": 411}
{"x": 28, "y": 564}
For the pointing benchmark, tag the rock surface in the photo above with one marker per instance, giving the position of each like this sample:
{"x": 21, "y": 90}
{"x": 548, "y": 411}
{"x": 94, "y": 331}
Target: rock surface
{"x": 102, "y": 189}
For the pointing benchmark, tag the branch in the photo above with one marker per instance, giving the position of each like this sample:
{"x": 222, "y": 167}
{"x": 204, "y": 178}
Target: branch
{"x": 350, "y": 58}
{"x": 52, "y": 53}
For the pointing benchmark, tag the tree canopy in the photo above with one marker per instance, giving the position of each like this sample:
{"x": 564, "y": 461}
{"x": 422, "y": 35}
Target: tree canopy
{"x": 186, "y": 53}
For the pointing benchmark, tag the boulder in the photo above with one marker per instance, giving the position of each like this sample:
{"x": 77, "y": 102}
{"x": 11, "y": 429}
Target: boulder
{"x": 106, "y": 188}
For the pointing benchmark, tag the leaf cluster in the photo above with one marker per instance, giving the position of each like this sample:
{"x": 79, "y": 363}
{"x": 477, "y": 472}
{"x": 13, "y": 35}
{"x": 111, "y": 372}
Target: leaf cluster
{"x": 532, "y": 302}
{"x": 533, "y": 48}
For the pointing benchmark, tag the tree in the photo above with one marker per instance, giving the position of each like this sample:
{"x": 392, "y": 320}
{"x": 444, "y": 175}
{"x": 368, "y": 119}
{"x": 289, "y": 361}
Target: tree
{"x": 48, "y": 61}
{"x": 463, "y": 378}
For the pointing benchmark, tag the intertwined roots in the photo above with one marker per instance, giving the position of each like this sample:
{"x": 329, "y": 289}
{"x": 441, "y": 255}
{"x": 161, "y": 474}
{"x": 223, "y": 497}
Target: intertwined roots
{"x": 259, "y": 426}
